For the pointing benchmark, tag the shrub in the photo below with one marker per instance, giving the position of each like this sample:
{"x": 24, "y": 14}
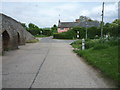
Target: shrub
{"x": 77, "y": 44}
{"x": 100, "y": 43}
{"x": 90, "y": 43}
{"x": 81, "y": 30}
{"x": 113, "y": 42}
{"x": 60, "y": 36}
{"x": 47, "y": 32}
{"x": 92, "y": 32}
{"x": 70, "y": 34}
{"x": 100, "y": 46}
{"x": 102, "y": 55}
{"x": 34, "y": 32}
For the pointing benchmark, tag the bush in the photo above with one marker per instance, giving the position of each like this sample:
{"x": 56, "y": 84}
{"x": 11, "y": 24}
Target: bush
{"x": 100, "y": 46}
{"x": 92, "y": 32}
{"x": 90, "y": 43}
{"x": 81, "y": 30}
{"x": 100, "y": 43}
{"x": 34, "y": 32}
{"x": 47, "y": 32}
{"x": 70, "y": 34}
{"x": 102, "y": 54}
{"x": 77, "y": 44}
{"x": 113, "y": 42}
{"x": 96, "y": 43}
{"x": 60, "y": 36}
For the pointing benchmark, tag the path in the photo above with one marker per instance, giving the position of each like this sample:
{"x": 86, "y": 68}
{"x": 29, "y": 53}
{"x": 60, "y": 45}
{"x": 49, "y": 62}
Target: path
{"x": 48, "y": 64}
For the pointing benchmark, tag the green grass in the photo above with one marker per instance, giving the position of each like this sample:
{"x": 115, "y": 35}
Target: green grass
{"x": 76, "y": 44}
{"x": 40, "y": 36}
{"x": 64, "y": 39}
{"x": 32, "y": 41}
{"x": 103, "y": 56}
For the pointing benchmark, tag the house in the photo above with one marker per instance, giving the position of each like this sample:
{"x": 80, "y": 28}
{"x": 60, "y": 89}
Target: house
{"x": 65, "y": 26}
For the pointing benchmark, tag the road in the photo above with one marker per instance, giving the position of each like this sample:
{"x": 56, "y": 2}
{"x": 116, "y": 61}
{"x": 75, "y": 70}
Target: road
{"x": 50, "y": 63}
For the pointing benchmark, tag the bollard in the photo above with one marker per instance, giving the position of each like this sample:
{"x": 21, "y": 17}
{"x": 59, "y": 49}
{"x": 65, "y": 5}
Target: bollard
{"x": 77, "y": 34}
{"x": 83, "y": 44}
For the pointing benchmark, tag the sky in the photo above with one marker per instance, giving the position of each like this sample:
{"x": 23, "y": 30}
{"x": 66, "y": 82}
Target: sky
{"x": 46, "y": 14}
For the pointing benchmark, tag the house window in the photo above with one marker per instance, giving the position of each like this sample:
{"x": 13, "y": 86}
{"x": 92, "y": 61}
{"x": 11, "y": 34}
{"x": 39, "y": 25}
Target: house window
{"x": 61, "y": 28}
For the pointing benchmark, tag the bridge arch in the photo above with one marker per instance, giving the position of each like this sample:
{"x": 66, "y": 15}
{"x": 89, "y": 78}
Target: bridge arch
{"x": 18, "y": 38}
{"x": 5, "y": 40}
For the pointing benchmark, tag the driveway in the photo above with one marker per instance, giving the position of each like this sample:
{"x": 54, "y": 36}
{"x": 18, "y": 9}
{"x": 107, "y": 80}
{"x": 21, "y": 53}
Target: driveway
{"x": 50, "y": 63}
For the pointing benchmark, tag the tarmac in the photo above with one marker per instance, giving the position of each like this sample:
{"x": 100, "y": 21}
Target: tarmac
{"x": 50, "y": 63}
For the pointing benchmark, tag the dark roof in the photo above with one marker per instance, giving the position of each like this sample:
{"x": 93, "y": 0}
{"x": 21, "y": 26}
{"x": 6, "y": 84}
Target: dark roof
{"x": 80, "y": 24}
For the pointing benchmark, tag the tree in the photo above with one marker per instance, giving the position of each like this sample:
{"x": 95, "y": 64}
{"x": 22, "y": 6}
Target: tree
{"x": 81, "y": 31}
{"x": 46, "y": 31}
{"x": 106, "y": 29}
{"x": 84, "y": 18}
{"x": 33, "y": 26}
{"x": 112, "y": 28}
{"x": 116, "y": 26}
{"x": 24, "y": 25}
{"x": 54, "y": 29}
{"x": 92, "y": 32}
{"x": 114, "y": 31}
{"x": 116, "y": 21}
{"x": 33, "y": 29}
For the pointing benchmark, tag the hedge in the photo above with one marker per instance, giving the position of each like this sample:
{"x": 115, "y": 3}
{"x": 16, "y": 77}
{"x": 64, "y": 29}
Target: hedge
{"x": 65, "y": 35}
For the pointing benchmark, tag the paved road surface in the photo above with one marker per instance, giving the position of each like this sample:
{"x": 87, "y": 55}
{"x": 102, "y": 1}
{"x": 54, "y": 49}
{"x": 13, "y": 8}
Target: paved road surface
{"x": 49, "y": 64}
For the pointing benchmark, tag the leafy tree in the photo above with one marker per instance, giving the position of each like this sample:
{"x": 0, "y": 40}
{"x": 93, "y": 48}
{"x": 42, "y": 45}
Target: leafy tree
{"x": 114, "y": 30}
{"x": 33, "y": 29}
{"x": 33, "y": 26}
{"x": 106, "y": 29}
{"x": 92, "y": 32}
{"x": 84, "y": 18}
{"x": 24, "y": 25}
{"x": 46, "y": 31}
{"x": 81, "y": 31}
{"x": 116, "y": 21}
{"x": 54, "y": 29}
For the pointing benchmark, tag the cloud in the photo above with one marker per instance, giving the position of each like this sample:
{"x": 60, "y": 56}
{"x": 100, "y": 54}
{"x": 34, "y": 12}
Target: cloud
{"x": 45, "y": 14}
{"x": 110, "y": 12}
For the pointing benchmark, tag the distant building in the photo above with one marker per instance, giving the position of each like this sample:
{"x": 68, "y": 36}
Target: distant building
{"x": 65, "y": 26}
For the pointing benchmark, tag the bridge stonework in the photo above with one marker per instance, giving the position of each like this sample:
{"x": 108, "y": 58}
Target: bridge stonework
{"x": 12, "y": 33}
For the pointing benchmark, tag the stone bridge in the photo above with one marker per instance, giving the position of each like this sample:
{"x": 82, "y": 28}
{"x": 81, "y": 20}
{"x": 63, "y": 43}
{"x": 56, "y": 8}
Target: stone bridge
{"x": 12, "y": 33}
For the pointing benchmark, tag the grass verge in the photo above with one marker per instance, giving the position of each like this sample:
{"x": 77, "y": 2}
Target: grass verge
{"x": 102, "y": 56}
{"x": 64, "y": 39}
{"x": 32, "y": 41}
{"x": 40, "y": 36}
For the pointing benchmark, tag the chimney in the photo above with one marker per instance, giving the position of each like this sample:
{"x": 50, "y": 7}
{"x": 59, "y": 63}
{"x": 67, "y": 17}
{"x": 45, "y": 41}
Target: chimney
{"x": 59, "y": 21}
{"x": 77, "y": 20}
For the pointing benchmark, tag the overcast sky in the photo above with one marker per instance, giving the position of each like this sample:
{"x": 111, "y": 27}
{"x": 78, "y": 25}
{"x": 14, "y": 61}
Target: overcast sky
{"x": 45, "y": 14}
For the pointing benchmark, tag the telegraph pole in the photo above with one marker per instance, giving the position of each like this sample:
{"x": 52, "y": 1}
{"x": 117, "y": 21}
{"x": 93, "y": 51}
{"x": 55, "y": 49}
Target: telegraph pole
{"x": 59, "y": 19}
{"x": 86, "y": 30}
{"x": 102, "y": 21}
